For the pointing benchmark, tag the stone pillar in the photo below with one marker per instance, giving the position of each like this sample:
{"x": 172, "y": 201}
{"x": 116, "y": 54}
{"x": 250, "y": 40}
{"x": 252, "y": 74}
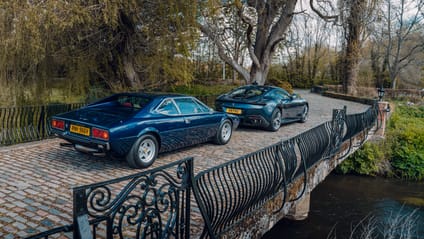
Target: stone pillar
{"x": 299, "y": 211}
{"x": 383, "y": 109}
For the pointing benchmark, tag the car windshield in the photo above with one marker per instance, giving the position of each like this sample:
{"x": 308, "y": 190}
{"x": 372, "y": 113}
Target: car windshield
{"x": 248, "y": 92}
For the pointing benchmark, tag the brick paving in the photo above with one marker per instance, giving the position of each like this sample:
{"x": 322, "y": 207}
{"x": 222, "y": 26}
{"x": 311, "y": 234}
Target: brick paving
{"x": 36, "y": 179}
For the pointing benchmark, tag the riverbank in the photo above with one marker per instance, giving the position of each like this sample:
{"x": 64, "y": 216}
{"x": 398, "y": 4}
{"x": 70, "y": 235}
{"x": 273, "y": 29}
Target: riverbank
{"x": 342, "y": 201}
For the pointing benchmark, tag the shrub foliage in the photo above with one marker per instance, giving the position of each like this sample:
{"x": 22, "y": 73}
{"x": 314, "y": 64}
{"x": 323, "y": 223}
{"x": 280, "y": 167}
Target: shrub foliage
{"x": 403, "y": 148}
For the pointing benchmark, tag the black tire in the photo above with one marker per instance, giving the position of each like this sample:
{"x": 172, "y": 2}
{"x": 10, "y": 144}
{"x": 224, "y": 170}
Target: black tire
{"x": 305, "y": 114}
{"x": 224, "y": 133}
{"x": 144, "y": 152}
{"x": 275, "y": 122}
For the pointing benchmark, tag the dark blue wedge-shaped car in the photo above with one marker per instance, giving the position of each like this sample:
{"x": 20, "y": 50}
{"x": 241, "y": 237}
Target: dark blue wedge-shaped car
{"x": 139, "y": 125}
{"x": 263, "y": 106}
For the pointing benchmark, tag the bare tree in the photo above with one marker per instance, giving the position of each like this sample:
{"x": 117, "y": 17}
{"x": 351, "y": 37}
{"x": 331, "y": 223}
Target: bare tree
{"x": 306, "y": 48}
{"x": 265, "y": 25}
{"x": 398, "y": 37}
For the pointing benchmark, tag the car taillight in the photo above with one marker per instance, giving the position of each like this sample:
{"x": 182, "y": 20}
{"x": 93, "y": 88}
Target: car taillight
{"x": 58, "y": 124}
{"x": 100, "y": 134}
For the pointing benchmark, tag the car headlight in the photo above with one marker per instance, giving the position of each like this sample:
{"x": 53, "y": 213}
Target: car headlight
{"x": 269, "y": 108}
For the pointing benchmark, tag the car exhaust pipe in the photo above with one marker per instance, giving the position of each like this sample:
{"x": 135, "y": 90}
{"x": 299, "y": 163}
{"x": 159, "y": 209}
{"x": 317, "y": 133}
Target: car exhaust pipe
{"x": 66, "y": 144}
{"x": 87, "y": 150}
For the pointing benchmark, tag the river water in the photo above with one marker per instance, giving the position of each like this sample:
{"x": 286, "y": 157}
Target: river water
{"x": 340, "y": 202}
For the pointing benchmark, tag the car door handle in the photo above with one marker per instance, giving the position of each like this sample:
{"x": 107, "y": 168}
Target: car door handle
{"x": 187, "y": 121}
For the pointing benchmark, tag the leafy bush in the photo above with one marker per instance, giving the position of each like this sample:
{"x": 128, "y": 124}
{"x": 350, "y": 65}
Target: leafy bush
{"x": 403, "y": 148}
{"x": 364, "y": 161}
{"x": 278, "y": 77}
{"x": 405, "y": 135}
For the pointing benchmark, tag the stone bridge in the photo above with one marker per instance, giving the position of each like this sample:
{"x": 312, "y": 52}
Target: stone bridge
{"x": 37, "y": 178}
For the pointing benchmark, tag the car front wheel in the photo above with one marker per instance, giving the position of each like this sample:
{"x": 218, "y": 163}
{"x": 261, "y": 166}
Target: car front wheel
{"x": 275, "y": 120}
{"x": 224, "y": 133}
{"x": 144, "y": 152}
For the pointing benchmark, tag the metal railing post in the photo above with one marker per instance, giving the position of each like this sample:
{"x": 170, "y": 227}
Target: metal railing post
{"x": 80, "y": 215}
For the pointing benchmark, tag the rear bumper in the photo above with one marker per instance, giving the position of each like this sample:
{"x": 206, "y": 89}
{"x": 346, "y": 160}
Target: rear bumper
{"x": 89, "y": 146}
{"x": 254, "y": 120}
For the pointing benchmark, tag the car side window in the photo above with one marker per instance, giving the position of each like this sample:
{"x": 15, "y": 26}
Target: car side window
{"x": 167, "y": 107}
{"x": 188, "y": 106}
{"x": 202, "y": 107}
{"x": 282, "y": 94}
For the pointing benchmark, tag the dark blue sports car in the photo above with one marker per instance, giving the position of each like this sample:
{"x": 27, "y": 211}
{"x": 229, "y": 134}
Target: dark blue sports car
{"x": 263, "y": 106}
{"x": 138, "y": 126}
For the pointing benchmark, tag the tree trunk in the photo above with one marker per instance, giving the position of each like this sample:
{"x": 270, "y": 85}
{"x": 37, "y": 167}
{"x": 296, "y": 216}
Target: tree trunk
{"x": 354, "y": 25}
{"x": 257, "y": 77}
{"x": 352, "y": 75}
{"x": 131, "y": 75}
{"x": 351, "y": 64}
{"x": 259, "y": 74}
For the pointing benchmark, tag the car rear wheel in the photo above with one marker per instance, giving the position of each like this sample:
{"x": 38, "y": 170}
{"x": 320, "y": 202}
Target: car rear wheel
{"x": 224, "y": 133}
{"x": 144, "y": 152}
{"x": 275, "y": 120}
{"x": 305, "y": 114}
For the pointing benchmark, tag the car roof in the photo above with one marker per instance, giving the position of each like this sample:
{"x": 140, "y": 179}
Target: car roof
{"x": 261, "y": 86}
{"x": 266, "y": 87}
{"x": 153, "y": 94}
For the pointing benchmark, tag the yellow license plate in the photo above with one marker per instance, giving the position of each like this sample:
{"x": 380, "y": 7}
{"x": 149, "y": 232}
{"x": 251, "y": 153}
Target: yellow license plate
{"x": 233, "y": 111}
{"x": 80, "y": 130}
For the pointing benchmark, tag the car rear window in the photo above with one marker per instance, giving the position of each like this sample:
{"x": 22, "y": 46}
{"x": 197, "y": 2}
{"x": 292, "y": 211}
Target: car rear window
{"x": 248, "y": 92}
{"x": 132, "y": 101}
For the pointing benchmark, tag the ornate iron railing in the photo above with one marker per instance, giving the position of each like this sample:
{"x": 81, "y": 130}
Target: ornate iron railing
{"x": 28, "y": 123}
{"x": 156, "y": 203}
{"x": 226, "y": 194}
{"x": 150, "y": 204}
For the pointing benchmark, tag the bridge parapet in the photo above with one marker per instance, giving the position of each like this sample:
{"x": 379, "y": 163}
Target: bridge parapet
{"x": 383, "y": 114}
{"x": 245, "y": 197}
{"x": 356, "y": 129}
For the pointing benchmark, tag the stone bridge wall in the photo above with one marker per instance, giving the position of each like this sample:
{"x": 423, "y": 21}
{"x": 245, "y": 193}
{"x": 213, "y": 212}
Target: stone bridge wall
{"x": 265, "y": 218}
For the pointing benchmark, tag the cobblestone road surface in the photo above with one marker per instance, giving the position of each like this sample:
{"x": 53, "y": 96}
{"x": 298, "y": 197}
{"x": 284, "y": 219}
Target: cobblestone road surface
{"x": 36, "y": 179}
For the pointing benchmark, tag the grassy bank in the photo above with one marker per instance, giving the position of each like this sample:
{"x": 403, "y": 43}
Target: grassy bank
{"x": 400, "y": 154}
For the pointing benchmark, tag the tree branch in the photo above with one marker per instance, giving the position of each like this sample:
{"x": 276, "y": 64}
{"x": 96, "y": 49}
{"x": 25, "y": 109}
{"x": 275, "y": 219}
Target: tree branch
{"x": 249, "y": 31}
{"x": 321, "y": 15}
{"x": 221, "y": 51}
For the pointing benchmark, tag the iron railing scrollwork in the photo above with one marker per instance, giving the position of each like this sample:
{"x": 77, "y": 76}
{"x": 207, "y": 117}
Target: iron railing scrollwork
{"x": 338, "y": 129}
{"x": 150, "y": 204}
{"x": 360, "y": 123}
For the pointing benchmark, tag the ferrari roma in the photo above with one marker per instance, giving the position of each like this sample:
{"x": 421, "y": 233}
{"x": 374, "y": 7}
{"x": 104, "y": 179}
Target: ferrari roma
{"x": 263, "y": 106}
{"x": 138, "y": 126}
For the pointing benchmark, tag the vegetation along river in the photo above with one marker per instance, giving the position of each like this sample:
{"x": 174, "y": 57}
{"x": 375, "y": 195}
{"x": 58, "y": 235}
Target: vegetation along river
{"x": 340, "y": 203}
